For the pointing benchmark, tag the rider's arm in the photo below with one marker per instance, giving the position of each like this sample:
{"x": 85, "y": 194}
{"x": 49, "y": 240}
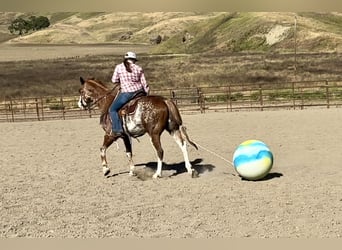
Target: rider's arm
{"x": 144, "y": 83}
{"x": 116, "y": 77}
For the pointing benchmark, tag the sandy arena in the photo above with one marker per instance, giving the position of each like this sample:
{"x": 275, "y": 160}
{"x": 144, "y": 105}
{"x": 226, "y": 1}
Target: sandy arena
{"x": 52, "y": 184}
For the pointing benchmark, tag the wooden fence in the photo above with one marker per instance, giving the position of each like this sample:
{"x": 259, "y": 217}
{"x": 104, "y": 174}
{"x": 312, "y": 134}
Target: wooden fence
{"x": 234, "y": 97}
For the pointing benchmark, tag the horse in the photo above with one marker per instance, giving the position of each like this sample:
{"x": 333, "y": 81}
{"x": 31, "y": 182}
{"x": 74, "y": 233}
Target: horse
{"x": 144, "y": 114}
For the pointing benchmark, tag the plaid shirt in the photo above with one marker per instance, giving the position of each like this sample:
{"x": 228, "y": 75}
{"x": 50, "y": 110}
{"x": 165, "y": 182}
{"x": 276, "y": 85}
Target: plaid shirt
{"x": 130, "y": 82}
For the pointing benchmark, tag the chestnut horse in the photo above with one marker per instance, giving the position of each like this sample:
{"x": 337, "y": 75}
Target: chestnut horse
{"x": 143, "y": 114}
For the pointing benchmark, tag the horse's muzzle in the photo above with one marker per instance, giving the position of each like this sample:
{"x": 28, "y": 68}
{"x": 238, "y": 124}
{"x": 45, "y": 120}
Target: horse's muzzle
{"x": 84, "y": 104}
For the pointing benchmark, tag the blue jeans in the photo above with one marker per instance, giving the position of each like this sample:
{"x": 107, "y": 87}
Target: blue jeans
{"x": 117, "y": 104}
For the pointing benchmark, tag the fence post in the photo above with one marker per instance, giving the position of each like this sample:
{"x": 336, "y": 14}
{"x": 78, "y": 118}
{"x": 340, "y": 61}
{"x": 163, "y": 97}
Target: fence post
{"x": 5, "y": 105}
{"x": 23, "y": 108}
{"x": 201, "y": 100}
{"x": 42, "y": 107}
{"x": 89, "y": 110}
{"x": 37, "y": 109}
{"x": 11, "y": 109}
{"x": 230, "y": 98}
{"x": 302, "y": 98}
{"x": 63, "y": 111}
{"x": 173, "y": 97}
{"x": 327, "y": 93}
{"x": 261, "y": 99}
{"x": 293, "y": 96}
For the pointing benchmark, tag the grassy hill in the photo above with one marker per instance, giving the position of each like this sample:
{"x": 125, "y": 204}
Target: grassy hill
{"x": 224, "y": 48}
{"x": 99, "y": 27}
{"x": 238, "y": 32}
{"x": 189, "y": 32}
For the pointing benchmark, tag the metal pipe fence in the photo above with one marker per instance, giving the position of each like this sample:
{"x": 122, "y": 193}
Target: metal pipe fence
{"x": 229, "y": 98}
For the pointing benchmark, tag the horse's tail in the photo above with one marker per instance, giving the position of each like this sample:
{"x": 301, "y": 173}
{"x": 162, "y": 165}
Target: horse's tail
{"x": 175, "y": 122}
{"x": 185, "y": 135}
{"x": 175, "y": 119}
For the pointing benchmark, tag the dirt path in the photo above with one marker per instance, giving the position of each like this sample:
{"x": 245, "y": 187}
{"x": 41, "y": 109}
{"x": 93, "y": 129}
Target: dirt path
{"x": 19, "y": 52}
{"x": 52, "y": 185}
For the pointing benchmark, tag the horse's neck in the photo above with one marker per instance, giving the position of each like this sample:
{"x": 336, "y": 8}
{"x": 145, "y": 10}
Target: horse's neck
{"x": 106, "y": 101}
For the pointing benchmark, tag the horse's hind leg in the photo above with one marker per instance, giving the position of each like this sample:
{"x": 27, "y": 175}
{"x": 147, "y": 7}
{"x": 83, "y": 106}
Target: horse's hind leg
{"x": 128, "y": 146}
{"x": 155, "y": 140}
{"x": 107, "y": 141}
{"x": 182, "y": 144}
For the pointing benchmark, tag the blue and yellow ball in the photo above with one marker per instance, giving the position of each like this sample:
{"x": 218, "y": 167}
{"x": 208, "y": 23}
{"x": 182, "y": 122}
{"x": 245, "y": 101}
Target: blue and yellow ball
{"x": 253, "y": 160}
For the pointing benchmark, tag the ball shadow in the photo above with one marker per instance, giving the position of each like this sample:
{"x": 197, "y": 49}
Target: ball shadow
{"x": 268, "y": 177}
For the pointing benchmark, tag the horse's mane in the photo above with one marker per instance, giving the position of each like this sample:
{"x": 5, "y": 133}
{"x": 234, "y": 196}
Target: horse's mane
{"x": 98, "y": 83}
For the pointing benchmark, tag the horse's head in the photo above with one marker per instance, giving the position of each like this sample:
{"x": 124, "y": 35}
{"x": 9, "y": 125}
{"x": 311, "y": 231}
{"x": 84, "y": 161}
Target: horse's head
{"x": 95, "y": 92}
{"x": 87, "y": 94}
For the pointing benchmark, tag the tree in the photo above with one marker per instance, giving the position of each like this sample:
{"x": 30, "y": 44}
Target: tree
{"x": 40, "y": 22}
{"x": 33, "y": 21}
{"x": 23, "y": 26}
{"x": 19, "y": 25}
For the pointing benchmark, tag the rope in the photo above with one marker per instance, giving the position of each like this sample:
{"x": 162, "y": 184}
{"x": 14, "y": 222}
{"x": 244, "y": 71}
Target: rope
{"x": 217, "y": 155}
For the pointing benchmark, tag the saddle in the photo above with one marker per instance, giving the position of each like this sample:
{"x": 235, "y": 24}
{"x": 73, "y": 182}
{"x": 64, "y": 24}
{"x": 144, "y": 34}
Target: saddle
{"x": 128, "y": 109}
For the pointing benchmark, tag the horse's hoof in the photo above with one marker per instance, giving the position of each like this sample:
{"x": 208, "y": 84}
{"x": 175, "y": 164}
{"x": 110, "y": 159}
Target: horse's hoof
{"x": 194, "y": 173}
{"x": 106, "y": 172}
{"x": 156, "y": 176}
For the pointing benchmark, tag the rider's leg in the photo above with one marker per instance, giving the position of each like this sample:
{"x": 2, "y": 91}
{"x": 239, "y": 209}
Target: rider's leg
{"x": 117, "y": 104}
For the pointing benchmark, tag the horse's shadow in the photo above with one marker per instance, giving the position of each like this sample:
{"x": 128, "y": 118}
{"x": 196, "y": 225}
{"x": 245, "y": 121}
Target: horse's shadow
{"x": 174, "y": 169}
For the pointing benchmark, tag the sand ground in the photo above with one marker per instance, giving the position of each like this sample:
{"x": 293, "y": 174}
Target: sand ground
{"x": 52, "y": 185}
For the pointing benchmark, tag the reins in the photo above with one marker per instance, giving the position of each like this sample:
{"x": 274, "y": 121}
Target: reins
{"x": 103, "y": 97}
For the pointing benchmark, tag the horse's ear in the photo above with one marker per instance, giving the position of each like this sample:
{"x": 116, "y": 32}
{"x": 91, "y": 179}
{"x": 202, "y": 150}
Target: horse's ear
{"x": 82, "y": 80}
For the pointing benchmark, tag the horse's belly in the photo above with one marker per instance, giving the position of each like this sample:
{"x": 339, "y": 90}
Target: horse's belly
{"x": 133, "y": 123}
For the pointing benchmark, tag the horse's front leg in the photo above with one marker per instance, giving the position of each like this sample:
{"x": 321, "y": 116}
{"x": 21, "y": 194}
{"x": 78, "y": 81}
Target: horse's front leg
{"x": 107, "y": 141}
{"x": 128, "y": 146}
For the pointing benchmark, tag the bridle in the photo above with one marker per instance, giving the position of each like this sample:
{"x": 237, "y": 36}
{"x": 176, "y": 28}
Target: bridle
{"x": 90, "y": 105}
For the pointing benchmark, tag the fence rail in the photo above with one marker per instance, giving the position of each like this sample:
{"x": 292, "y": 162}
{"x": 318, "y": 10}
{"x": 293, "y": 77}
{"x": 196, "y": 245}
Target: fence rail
{"x": 234, "y": 97}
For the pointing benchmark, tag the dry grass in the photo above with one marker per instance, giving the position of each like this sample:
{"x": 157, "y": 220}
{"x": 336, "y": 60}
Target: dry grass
{"x": 110, "y": 27}
{"x": 61, "y": 75}
{"x": 209, "y": 60}
{"x": 246, "y": 31}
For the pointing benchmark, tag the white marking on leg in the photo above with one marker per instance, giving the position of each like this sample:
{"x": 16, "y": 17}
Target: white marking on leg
{"x": 182, "y": 144}
{"x": 103, "y": 151}
{"x": 105, "y": 168}
{"x": 159, "y": 169}
{"x": 131, "y": 164}
{"x": 159, "y": 163}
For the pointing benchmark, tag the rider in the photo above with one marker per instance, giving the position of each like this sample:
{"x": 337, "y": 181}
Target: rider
{"x": 132, "y": 80}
